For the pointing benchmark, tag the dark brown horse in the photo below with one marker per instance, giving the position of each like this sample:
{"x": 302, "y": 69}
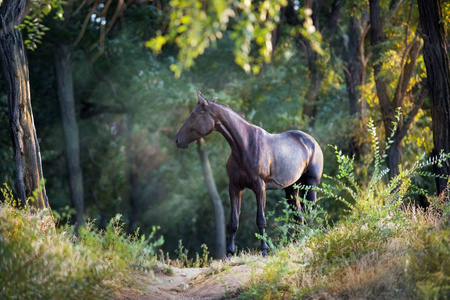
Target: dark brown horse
{"x": 259, "y": 160}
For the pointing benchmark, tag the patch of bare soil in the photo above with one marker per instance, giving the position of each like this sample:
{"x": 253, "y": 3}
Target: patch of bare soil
{"x": 189, "y": 283}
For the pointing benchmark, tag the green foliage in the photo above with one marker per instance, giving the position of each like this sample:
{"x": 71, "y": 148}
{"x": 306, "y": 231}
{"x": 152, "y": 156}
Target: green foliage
{"x": 40, "y": 263}
{"x": 377, "y": 192}
{"x": 194, "y": 26}
{"x": 32, "y": 24}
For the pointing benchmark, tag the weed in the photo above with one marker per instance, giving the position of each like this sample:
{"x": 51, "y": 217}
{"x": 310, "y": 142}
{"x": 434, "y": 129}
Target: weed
{"x": 290, "y": 230}
{"x": 114, "y": 245}
{"x": 183, "y": 260}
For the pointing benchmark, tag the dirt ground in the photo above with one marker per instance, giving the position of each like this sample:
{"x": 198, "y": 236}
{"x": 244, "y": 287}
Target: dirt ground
{"x": 215, "y": 282}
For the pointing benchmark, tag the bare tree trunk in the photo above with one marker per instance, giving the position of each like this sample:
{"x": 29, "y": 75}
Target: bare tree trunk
{"x": 215, "y": 199}
{"x": 66, "y": 101}
{"x": 133, "y": 179}
{"x": 438, "y": 77}
{"x": 354, "y": 77}
{"x": 312, "y": 94}
{"x": 134, "y": 197}
{"x": 354, "y": 67}
{"x": 28, "y": 175}
{"x": 387, "y": 109}
{"x": 310, "y": 107}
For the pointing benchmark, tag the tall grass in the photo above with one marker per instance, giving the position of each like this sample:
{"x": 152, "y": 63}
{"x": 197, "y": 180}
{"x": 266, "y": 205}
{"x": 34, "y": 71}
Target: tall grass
{"x": 41, "y": 262}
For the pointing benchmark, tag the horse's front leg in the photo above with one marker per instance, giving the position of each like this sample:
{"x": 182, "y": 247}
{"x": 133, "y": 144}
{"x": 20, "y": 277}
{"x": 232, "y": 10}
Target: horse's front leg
{"x": 260, "y": 192}
{"x": 235, "y": 200}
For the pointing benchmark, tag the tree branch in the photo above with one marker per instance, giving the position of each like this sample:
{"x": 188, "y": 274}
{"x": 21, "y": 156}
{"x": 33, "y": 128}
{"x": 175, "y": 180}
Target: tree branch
{"x": 85, "y": 23}
{"x": 121, "y": 6}
{"x": 407, "y": 70}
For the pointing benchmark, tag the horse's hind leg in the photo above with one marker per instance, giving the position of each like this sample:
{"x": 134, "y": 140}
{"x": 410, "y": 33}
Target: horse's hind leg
{"x": 292, "y": 199}
{"x": 309, "y": 180}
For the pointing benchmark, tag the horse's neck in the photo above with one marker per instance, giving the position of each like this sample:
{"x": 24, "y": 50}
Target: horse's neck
{"x": 236, "y": 131}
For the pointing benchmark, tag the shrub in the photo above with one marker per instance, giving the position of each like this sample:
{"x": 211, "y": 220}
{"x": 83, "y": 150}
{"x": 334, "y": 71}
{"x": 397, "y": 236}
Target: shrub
{"x": 39, "y": 262}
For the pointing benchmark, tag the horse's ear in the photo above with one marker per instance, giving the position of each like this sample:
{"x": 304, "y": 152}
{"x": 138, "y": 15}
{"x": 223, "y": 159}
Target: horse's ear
{"x": 202, "y": 100}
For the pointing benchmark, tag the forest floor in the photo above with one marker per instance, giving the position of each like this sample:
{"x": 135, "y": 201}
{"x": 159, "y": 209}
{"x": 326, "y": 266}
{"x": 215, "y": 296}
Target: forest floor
{"x": 222, "y": 280}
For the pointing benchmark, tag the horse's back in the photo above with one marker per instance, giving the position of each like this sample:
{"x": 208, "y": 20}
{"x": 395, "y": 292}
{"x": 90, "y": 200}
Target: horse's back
{"x": 292, "y": 154}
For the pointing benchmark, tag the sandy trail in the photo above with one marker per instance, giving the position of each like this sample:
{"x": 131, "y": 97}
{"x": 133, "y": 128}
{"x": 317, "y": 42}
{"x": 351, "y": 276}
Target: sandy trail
{"x": 214, "y": 282}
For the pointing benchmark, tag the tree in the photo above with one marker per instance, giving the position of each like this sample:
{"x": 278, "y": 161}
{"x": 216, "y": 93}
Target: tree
{"x": 312, "y": 11}
{"x": 66, "y": 37}
{"x": 28, "y": 173}
{"x": 390, "y": 107}
{"x": 196, "y": 25}
{"x": 64, "y": 86}
{"x": 215, "y": 199}
{"x": 438, "y": 80}
{"x": 355, "y": 73}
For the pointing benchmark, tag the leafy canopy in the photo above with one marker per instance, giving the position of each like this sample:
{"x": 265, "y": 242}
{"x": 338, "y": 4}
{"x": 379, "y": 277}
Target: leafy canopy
{"x": 194, "y": 26}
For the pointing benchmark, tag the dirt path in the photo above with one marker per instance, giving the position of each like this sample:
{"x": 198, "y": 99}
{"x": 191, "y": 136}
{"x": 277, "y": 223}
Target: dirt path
{"x": 223, "y": 282}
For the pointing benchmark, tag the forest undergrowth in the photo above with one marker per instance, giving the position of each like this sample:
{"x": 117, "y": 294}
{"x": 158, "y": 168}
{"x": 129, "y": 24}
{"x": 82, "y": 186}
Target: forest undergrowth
{"x": 384, "y": 247}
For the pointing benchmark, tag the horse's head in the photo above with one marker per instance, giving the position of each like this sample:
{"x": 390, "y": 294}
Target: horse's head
{"x": 199, "y": 123}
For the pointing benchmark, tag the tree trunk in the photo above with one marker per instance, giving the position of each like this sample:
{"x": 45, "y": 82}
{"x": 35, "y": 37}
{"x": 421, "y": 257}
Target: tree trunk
{"x": 134, "y": 196}
{"x": 394, "y": 158}
{"x": 312, "y": 94}
{"x": 64, "y": 84}
{"x": 354, "y": 76}
{"x": 354, "y": 68}
{"x": 133, "y": 178}
{"x": 388, "y": 108}
{"x": 438, "y": 78}
{"x": 28, "y": 173}
{"x": 215, "y": 199}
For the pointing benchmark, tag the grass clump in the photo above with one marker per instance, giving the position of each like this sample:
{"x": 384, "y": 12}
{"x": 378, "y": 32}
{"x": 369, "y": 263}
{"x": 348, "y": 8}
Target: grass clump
{"x": 41, "y": 262}
{"x": 183, "y": 260}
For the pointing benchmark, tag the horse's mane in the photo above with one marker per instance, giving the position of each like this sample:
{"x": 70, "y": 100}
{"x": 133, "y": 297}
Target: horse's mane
{"x": 226, "y": 107}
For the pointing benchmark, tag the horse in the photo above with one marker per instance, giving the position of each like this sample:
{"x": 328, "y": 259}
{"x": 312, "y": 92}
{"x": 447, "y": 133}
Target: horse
{"x": 259, "y": 160}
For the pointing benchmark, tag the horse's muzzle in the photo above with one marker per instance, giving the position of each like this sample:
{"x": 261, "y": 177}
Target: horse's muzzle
{"x": 181, "y": 144}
